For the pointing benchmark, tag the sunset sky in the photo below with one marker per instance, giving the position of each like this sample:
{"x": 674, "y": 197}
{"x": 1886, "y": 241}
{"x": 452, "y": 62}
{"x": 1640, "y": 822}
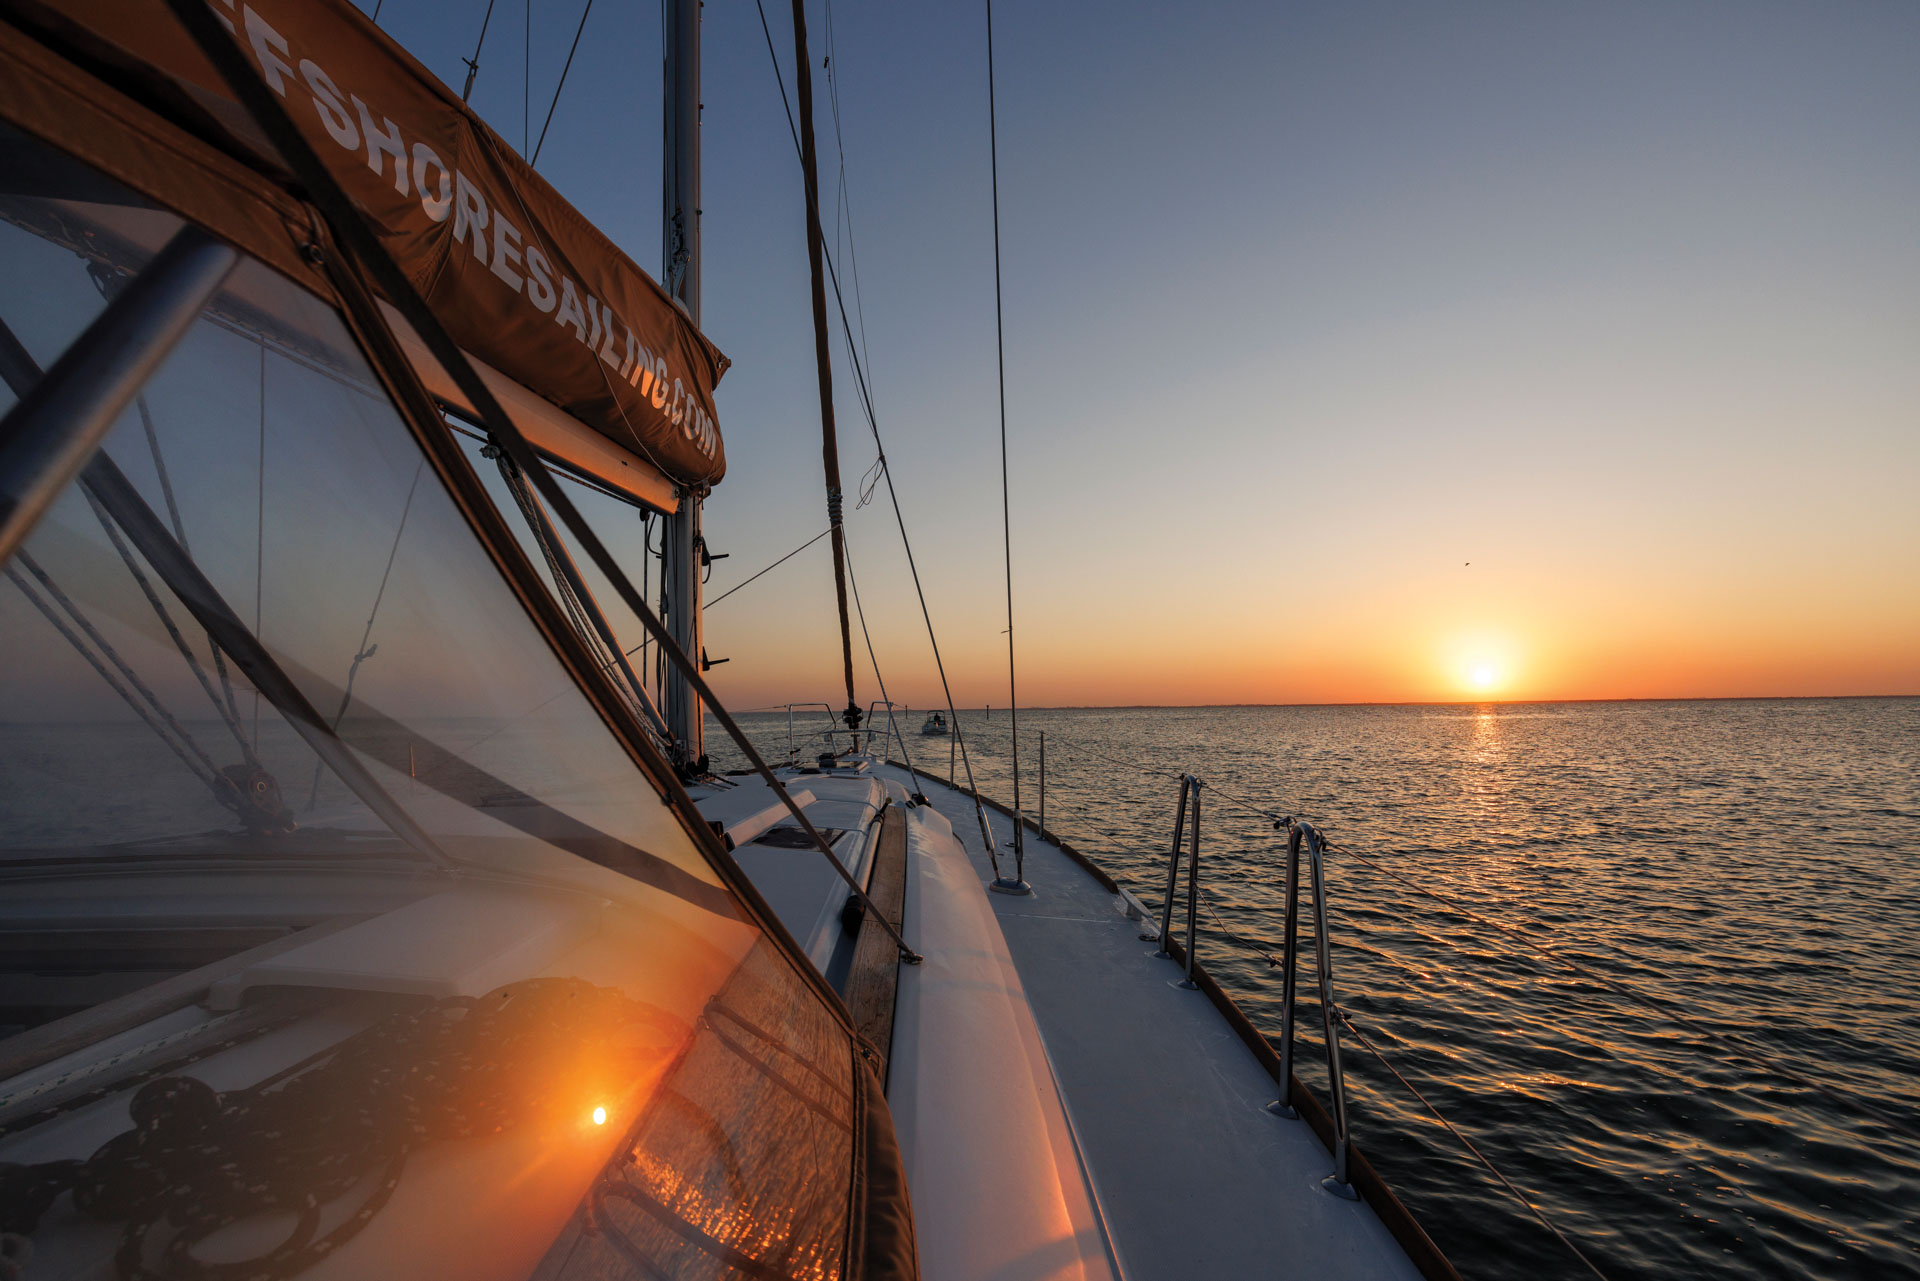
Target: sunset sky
{"x": 1354, "y": 353}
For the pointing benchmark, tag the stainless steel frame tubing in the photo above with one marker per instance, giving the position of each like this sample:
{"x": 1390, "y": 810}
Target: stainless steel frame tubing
{"x": 1173, "y": 870}
{"x": 1283, "y": 1106}
{"x": 1193, "y": 886}
{"x": 1043, "y": 784}
{"x": 792, "y": 750}
{"x": 49, "y": 436}
{"x": 1337, "y": 1183}
{"x": 1299, "y": 833}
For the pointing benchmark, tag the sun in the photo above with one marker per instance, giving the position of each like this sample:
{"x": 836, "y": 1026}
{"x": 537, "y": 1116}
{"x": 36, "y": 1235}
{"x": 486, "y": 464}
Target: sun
{"x": 1479, "y": 663}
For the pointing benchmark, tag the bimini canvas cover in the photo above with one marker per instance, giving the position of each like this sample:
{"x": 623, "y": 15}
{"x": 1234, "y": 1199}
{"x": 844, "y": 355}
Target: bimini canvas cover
{"x": 516, "y": 274}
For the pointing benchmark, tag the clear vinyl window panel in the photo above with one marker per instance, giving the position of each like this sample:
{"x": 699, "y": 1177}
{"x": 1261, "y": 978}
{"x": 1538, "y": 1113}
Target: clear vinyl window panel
{"x": 589, "y": 601}
{"x": 470, "y": 1003}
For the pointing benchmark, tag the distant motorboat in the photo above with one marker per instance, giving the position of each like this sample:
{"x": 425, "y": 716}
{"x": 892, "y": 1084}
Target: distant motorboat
{"x": 935, "y": 724}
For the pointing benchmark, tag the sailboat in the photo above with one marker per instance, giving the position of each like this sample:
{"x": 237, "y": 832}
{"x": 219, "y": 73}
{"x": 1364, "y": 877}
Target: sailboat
{"x": 370, "y": 906}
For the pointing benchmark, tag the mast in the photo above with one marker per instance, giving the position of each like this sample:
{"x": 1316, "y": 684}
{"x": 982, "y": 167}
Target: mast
{"x": 829, "y": 442}
{"x": 680, "y": 252}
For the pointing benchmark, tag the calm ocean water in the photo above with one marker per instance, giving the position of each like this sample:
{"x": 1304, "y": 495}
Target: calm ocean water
{"x": 1757, "y": 863}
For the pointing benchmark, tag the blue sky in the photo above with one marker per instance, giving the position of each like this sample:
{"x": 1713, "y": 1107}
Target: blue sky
{"x": 1306, "y": 308}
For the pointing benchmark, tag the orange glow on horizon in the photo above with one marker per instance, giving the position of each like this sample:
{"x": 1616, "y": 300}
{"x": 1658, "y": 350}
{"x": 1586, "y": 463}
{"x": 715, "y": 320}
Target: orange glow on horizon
{"x": 1541, "y": 637}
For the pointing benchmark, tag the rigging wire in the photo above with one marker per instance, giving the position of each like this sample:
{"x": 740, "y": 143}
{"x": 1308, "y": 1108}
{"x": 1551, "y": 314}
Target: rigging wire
{"x": 777, "y": 564}
{"x": 229, "y": 712}
{"x": 1006, "y": 504}
{"x": 844, "y": 197}
{"x": 893, "y": 496}
{"x": 526, "y": 80}
{"x": 153, "y": 712}
{"x": 364, "y": 252}
{"x": 19, "y": 372}
{"x": 473, "y": 63}
{"x": 364, "y": 652}
{"x": 93, "y": 660}
{"x": 259, "y": 535}
{"x": 166, "y": 620}
{"x": 892, "y": 722}
{"x": 646, "y": 564}
{"x": 582, "y": 610}
{"x": 180, "y": 532}
{"x": 833, "y": 275}
{"x": 869, "y": 481}
{"x": 535, "y": 159}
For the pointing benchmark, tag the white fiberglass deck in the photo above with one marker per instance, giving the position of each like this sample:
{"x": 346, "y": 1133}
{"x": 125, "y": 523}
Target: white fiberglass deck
{"x": 1194, "y": 1178}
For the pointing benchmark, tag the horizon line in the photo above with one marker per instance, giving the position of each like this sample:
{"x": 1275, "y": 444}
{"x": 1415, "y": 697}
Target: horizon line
{"x": 1462, "y": 702}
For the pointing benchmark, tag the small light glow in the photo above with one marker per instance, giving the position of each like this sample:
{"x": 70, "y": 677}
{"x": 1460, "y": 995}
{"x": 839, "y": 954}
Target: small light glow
{"x": 599, "y": 1116}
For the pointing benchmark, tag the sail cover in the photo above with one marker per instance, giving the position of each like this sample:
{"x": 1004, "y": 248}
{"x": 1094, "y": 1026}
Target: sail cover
{"x": 515, "y": 273}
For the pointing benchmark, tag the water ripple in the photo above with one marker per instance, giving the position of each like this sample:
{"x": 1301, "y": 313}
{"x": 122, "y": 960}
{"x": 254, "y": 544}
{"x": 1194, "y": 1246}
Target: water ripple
{"x": 1756, "y": 864}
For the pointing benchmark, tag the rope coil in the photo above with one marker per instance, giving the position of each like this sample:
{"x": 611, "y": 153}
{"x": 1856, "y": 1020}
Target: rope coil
{"x": 339, "y": 1124}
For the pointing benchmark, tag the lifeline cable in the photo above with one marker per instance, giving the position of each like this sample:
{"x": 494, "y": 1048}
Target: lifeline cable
{"x": 1467, "y": 1143}
{"x": 1275, "y": 962}
{"x": 1733, "y": 1046}
{"x": 1737, "y": 1045}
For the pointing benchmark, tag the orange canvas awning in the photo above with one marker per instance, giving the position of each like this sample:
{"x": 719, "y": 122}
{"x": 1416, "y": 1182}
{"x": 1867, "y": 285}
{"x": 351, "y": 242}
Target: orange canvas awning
{"x": 518, "y": 277}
